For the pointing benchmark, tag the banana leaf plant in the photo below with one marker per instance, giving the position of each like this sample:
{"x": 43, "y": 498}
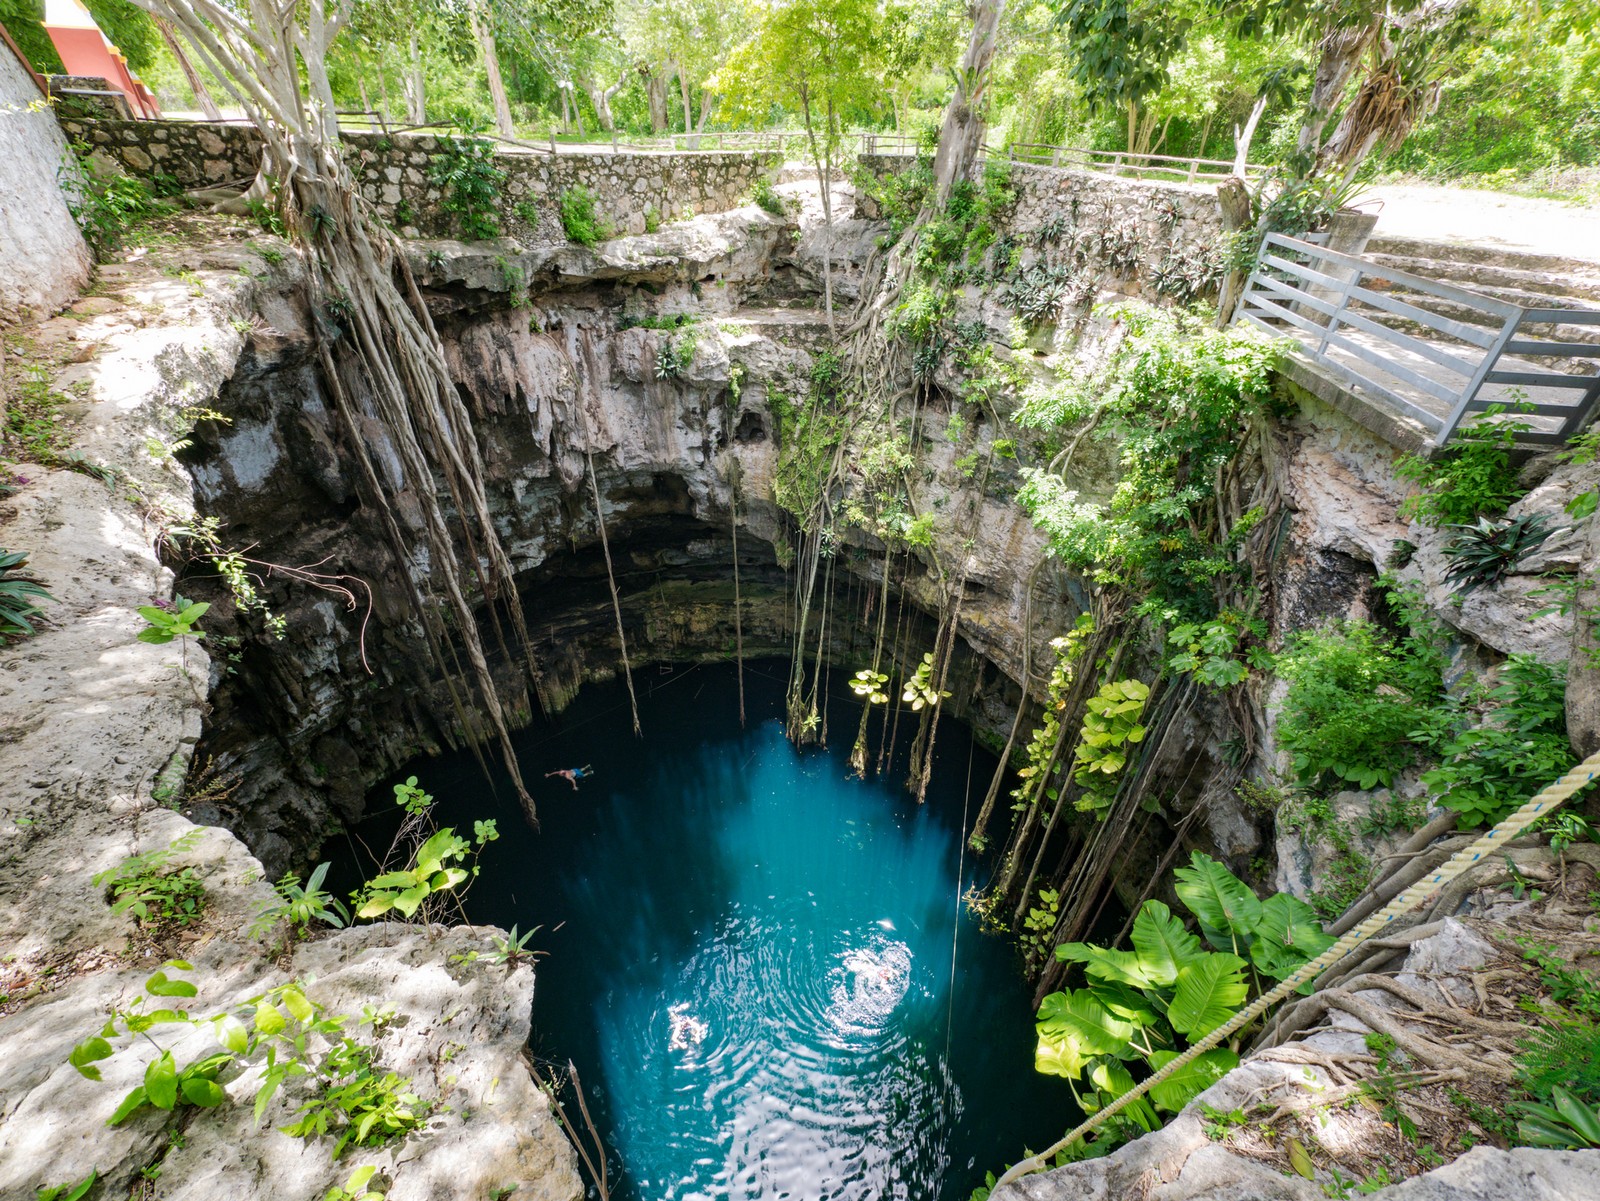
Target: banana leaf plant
{"x": 1141, "y": 1008}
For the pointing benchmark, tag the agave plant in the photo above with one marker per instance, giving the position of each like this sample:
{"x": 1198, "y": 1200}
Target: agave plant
{"x": 1483, "y": 553}
{"x": 18, "y": 591}
{"x": 1569, "y": 1124}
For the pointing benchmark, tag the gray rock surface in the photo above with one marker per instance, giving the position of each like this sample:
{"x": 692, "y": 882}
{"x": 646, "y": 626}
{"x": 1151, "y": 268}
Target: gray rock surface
{"x": 90, "y": 719}
{"x": 43, "y": 258}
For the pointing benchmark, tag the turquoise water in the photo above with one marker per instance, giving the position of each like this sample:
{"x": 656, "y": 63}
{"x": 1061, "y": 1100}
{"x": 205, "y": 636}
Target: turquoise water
{"x": 758, "y": 963}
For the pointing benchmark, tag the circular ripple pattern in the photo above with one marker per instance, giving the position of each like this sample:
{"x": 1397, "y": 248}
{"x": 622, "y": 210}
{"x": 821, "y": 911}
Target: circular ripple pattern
{"x": 750, "y": 959}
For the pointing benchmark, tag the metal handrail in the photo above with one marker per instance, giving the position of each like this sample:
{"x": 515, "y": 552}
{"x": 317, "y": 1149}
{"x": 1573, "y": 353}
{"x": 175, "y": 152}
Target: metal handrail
{"x": 1309, "y": 291}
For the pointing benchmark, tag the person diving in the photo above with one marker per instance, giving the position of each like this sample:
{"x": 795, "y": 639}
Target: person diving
{"x": 571, "y": 774}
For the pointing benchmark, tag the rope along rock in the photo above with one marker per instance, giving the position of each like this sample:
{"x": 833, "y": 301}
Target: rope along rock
{"x": 1545, "y": 802}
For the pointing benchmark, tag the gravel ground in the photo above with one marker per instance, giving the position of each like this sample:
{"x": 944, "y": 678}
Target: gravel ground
{"x": 1482, "y": 218}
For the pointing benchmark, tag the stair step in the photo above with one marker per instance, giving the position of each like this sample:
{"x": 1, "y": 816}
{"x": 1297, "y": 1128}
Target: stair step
{"x": 1484, "y": 255}
{"x": 1477, "y": 277}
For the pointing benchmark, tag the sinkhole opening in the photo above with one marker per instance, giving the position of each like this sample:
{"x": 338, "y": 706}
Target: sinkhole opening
{"x": 759, "y": 964}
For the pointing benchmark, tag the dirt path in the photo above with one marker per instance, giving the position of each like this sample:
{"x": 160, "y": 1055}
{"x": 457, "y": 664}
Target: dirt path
{"x": 1483, "y": 218}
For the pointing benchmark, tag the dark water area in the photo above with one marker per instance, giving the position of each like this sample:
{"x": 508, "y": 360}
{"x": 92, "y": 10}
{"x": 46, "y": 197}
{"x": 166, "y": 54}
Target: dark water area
{"x": 758, "y": 963}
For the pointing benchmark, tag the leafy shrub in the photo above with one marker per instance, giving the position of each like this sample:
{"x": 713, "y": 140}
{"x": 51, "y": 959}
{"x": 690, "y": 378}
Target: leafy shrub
{"x": 164, "y": 625}
{"x": 1178, "y": 397}
{"x": 1488, "y": 770}
{"x": 1474, "y": 476}
{"x": 18, "y": 591}
{"x": 1486, "y": 551}
{"x": 769, "y": 198}
{"x": 675, "y": 354}
{"x": 301, "y": 905}
{"x": 107, "y": 210}
{"x": 580, "y": 219}
{"x": 157, "y": 898}
{"x": 1355, "y": 699}
{"x": 1566, "y": 1124}
{"x": 1110, "y": 727}
{"x": 471, "y": 182}
{"x": 1148, "y": 1003}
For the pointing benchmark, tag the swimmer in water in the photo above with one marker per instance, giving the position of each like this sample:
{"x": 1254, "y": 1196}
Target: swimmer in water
{"x": 687, "y": 1031}
{"x": 571, "y": 774}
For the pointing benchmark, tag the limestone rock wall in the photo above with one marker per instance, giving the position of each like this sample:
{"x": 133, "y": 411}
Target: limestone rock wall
{"x": 632, "y": 190}
{"x": 95, "y": 726}
{"x": 44, "y": 260}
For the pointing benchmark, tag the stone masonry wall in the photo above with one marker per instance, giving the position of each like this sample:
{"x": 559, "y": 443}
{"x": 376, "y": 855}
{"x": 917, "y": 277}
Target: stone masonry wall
{"x": 43, "y": 258}
{"x": 1151, "y": 236}
{"x": 396, "y": 173}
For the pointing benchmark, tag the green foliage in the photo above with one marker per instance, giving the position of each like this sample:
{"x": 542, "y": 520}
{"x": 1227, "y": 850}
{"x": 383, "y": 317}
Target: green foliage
{"x": 24, "y": 20}
{"x": 919, "y": 691}
{"x": 164, "y": 625}
{"x": 1177, "y": 397}
{"x": 107, "y": 210}
{"x": 1488, "y": 770}
{"x": 1474, "y": 476}
{"x": 1041, "y": 749}
{"x": 1580, "y": 452}
{"x": 675, "y": 355}
{"x": 769, "y": 198}
{"x": 157, "y": 898}
{"x": 1355, "y": 699}
{"x": 1486, "y": 551}
{"x": 436, "y": 868}
{"x": 580, "y": 219}
{"x": 869, "y": 685}
{"x": 510, "y": 949}
{"x": 18, "y": 592}
{"x": 411, "y": 798}
{"x": 1149, "y": 1002}
{"x": 1111, "y": 726}
{"x": 465, "y": 170}
{"x": 1210, "y": 650}
{"x": 1565, "y": 1052}
{"x": 301, "y": 905}
{"x": 68, "y": 1192}
{"x": 1566, "y": 1124}
{"x": 355, "y": 1187}
{"x": 283, "y": 1031}
{"x": 363, "y": 1105}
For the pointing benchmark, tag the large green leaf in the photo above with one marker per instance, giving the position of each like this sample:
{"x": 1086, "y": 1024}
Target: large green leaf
{"x": 1210, "y": 989}
{"x": 1127, "y": 1003}
{"x": 1073, "y": 1028}
{"x": 1163, "y": 944}
{"x": 1192, "y": 1079}
{"x": 1228, "y": 911}
{"x": 1288, "y": 935}
{"x": 1102, "y": 963}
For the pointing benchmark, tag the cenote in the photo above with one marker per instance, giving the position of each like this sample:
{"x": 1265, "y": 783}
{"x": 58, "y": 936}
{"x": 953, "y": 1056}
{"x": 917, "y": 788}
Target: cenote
{"x": 758, "y": 962}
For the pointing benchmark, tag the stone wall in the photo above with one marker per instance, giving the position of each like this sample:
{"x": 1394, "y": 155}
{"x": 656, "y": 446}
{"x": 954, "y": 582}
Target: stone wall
{"x": 44, "y": 260}
{"x": 397, "y": 173}
{"x": 1143, "y": 238}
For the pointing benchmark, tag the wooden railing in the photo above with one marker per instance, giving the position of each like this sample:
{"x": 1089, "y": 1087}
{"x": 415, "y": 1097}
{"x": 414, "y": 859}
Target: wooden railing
{"x": 1166, "y": 167}
{"x": 1439, "y": 357}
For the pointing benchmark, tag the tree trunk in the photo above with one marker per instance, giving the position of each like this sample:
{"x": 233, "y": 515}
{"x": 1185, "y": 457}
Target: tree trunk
{"x": 416, "y": 87}
{"x": 483, "y": 32}
{"x": 383, "y": 95}
{"x": 1341, "y": 54}
{"x": 1233, "y": 198}
{"x": 202, "y": 97}
{"x": 655, "y": 90}
{"x": 962, "y": 136}
{"x": 601, "y": 99}
{"x": 688, "y": 113}
{"x": 1243, "y": 138}
{"x": 708, "y": 101}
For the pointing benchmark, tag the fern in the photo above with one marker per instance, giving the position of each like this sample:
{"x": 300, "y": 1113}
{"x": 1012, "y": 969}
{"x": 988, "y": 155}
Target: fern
{"x": 1566, "y": 1055}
